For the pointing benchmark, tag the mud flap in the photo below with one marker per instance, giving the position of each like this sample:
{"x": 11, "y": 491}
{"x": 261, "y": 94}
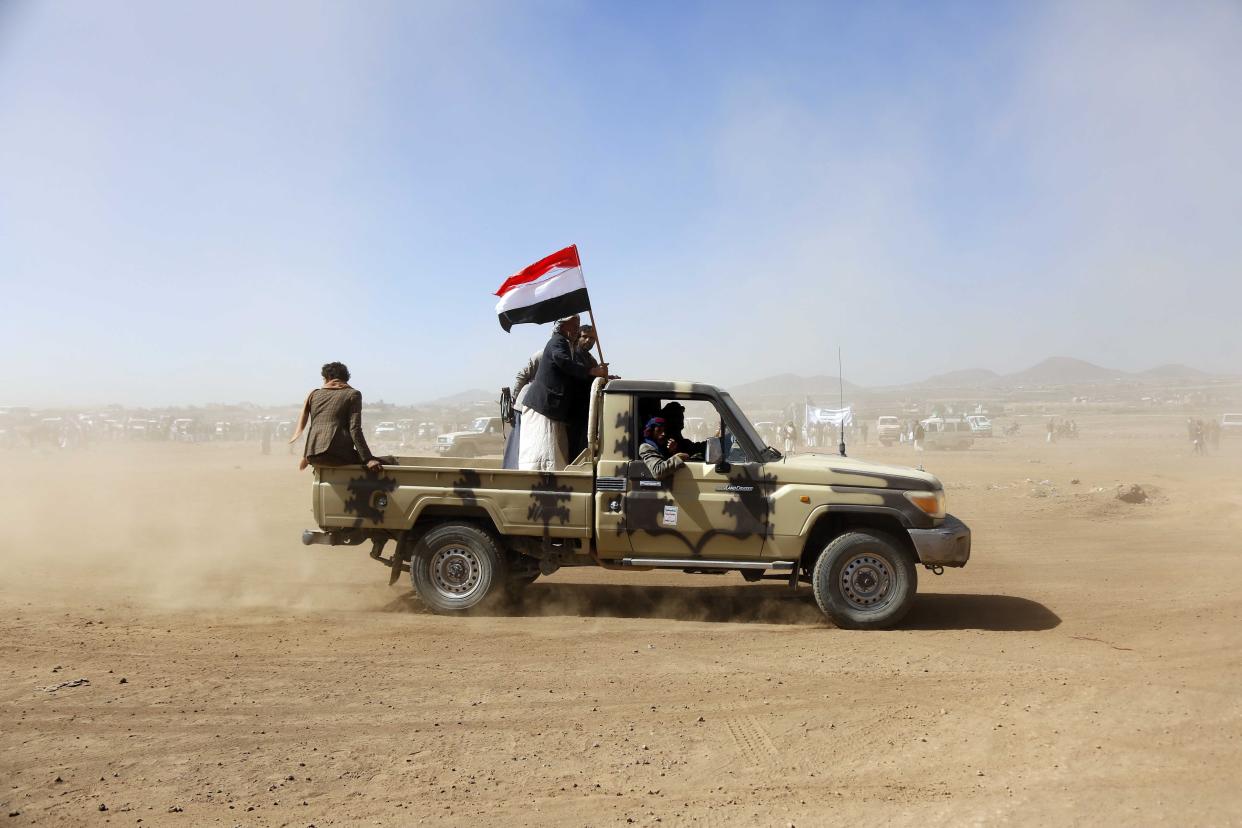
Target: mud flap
{"x": 394, "y": 570}
{"x": 399, "y": 557}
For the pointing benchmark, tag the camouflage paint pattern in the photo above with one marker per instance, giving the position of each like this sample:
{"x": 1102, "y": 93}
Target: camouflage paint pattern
{"x": 754, "y": 510}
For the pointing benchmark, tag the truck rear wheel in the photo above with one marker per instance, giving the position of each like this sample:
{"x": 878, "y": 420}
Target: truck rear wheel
{"x": 864, "y": 581}
{"x": 457, "y": 566}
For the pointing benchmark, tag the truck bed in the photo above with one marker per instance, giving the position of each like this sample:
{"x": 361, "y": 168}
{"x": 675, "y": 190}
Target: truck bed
{"x": 557, "y": 504}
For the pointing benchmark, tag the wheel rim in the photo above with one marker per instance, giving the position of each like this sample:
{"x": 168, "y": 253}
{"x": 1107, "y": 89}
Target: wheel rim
{"x": 456, "y": 572}
{"x": 867, "y": 582}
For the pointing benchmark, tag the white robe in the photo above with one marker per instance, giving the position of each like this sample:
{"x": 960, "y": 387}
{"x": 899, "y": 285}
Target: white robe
{"x": 542, "y": 443}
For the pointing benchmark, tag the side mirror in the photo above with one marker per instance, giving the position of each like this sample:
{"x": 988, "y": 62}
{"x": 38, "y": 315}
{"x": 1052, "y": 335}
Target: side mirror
{"x": 713, "y": 453}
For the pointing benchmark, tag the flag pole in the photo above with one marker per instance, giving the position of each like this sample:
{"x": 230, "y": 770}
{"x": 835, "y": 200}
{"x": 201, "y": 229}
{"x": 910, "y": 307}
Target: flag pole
{"x": 591, "y": 311}
{"x": 591, "y": 315}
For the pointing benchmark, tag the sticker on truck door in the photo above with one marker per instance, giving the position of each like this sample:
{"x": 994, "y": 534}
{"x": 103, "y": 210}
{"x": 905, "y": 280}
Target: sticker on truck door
{"x": 670, "y": 515}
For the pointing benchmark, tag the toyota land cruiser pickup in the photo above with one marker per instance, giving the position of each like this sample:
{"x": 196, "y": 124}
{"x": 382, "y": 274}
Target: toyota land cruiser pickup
{"x": 486, "y": 436}
{"x": 473, "y": 532}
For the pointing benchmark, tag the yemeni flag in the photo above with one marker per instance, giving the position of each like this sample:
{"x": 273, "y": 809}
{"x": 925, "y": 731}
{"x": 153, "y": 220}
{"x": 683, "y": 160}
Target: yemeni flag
{"x": 550, "y": 289}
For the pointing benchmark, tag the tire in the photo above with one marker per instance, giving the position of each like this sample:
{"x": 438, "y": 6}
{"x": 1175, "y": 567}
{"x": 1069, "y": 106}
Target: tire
{"x": 456, "y": 567}
{"x": 864, "y": 581}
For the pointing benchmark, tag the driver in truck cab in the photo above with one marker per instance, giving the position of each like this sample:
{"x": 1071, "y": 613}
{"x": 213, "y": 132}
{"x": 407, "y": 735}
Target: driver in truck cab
{"x": 674, "y": 414}
{"x": 656, "y": 451}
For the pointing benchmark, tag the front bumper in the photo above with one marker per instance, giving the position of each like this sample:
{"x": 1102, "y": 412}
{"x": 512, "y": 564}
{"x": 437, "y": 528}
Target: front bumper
{"x": 946, "y": 545}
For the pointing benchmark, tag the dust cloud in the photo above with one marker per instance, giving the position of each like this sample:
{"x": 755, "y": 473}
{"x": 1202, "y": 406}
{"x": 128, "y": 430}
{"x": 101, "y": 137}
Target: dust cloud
{"x": 173, "y": 526}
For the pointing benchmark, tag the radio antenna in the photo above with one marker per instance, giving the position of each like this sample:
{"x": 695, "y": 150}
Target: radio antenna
{"x": 841, "y": 386}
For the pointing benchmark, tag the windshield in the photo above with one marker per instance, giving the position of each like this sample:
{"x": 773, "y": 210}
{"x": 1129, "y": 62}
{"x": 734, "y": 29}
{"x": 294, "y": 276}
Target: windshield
{"x": 1233, "y": 418}
{"x": 479, "y": 425}
{"x": 742, "y": 424}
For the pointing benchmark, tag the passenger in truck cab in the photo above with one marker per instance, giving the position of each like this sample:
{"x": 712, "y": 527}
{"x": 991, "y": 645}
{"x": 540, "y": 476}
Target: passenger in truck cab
{"x": 657, "y": 450}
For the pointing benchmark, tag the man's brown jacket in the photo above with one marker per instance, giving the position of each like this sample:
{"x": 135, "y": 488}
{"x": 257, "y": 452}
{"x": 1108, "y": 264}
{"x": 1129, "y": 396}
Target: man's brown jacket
{"x": 334, "y": 435}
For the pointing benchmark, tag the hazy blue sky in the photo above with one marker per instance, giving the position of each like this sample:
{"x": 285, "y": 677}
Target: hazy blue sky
{"x": 206, "y": 201}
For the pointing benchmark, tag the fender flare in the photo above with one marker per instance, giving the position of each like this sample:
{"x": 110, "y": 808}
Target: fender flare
{"x": 423, "y": 503}
{"x": 851, "y": 508}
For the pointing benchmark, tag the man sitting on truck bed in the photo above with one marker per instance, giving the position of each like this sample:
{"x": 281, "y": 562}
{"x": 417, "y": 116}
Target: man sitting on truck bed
{"x": 654, "y": 450}
{"x": 332, "y": 417}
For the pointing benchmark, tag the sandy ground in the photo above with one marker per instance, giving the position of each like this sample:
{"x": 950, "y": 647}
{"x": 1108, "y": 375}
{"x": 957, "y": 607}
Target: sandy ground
{"x": 1084, "y": 667}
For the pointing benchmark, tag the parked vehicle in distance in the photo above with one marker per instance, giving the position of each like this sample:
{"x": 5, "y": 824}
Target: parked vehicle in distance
{"x": 485, "y": 436}
{"x": 980, "y": 425}
{"x": 1230, "y": 424}
{"x": 387, "y": 430}
{"x": 183, "y": 430}
{"x": 947, "y": 433}
{"x": 888, "y": 429}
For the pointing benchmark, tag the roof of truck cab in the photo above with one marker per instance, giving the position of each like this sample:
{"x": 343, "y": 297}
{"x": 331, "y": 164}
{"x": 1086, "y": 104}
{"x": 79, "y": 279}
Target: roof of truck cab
{"x": 627, "y": 386}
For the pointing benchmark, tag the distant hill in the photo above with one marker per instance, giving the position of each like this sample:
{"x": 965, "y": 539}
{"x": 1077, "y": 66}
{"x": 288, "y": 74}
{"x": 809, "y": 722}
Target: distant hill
{"x": 466, "y": 397}
{"x": 1059, "y": 371}
{"x": 1063, "y": 371}
{"x": 1174, "y": 370}
{"x": 789, "y": 385}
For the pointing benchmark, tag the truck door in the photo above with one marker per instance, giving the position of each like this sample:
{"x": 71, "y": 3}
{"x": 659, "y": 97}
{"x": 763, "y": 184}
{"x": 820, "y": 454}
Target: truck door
{"x": 703, "y": 510}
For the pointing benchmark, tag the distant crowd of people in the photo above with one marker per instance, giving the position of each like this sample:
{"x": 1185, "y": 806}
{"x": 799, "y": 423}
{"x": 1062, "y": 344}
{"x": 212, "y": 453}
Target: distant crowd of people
{"x": 1065, "y": 429}
{"x": 1203, "y": 433}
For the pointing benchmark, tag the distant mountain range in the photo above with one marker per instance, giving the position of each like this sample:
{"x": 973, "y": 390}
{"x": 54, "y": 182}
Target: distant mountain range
{"x": 1058, "y": 370}
{"x": 1052, "y": 371}
{"x": 465, "y": 397}
{"x": 792, "y": 385}
{"x": 966, "y": 378}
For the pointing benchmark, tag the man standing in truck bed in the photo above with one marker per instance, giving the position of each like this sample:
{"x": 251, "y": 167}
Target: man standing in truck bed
{"x": 545, "y": 437}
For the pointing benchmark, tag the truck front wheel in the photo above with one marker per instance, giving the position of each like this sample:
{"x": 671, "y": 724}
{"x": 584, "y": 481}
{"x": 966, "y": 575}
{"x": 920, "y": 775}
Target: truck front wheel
{"x": 457, "y": 566}
{"x": 864, "y": 581}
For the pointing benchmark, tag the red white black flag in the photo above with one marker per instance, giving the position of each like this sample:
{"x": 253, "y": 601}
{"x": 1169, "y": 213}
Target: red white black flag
{"x": 550, "y": 289}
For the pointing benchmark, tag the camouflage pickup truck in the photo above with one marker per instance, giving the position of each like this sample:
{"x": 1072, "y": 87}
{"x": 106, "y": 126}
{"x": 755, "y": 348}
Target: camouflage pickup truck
{"x": 473, "y": 532}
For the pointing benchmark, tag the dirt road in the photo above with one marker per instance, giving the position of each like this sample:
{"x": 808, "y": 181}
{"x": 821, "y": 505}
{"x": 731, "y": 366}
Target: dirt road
{"x": 1084, "y": 667}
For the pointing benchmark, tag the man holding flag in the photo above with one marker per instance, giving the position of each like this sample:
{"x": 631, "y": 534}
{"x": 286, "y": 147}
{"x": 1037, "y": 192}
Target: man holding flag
{"x": 552, "y": 288}
{"x": 548, "y": 406}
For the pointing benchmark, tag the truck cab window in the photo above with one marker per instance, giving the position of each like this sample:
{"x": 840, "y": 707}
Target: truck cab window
{"x": 691, "y": 423}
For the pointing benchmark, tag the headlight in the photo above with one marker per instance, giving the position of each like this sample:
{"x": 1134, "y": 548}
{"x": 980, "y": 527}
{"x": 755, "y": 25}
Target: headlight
{"x": 930, "y": 502}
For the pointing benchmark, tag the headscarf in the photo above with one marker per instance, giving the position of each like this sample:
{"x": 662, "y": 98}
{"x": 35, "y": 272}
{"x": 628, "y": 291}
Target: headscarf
{"x": 649, "y": 436}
